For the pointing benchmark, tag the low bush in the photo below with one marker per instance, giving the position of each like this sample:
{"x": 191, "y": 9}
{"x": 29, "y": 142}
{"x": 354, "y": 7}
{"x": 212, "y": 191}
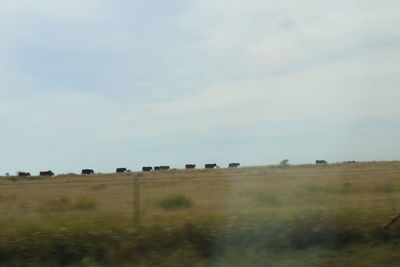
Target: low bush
{"x": 63, "y": 204}
{"x": 83, "y": 203}
{"x": 175, "y": 201}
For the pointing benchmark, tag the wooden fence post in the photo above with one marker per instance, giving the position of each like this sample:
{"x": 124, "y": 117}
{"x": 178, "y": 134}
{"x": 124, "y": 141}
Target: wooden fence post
{"x": 136, "y": 199}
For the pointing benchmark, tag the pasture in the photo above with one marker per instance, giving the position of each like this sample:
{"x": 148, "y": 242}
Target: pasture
{"x": 249, "y": 216}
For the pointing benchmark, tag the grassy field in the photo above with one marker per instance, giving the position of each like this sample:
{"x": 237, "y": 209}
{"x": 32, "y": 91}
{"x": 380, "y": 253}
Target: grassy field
{"x": 250, "y": 216}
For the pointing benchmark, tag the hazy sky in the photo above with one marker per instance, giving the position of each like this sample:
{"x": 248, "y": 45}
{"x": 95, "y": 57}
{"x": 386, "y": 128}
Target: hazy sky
{"x": 109, "y": 83}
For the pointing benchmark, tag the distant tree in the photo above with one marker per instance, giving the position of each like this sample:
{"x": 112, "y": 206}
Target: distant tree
{"x": 284, "y": 163}
{"x": 7, "y": 174}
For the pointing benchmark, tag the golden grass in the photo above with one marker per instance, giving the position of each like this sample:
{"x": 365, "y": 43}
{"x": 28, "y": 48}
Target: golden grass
{"x": 254, "y": 216}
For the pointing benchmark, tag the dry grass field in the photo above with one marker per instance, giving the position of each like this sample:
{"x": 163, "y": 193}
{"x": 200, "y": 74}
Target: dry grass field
{"x": 293, "y": 207}
{"x": 248, "y": 192}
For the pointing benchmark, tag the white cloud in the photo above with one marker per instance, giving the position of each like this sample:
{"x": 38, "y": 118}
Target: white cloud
{"x": 270, "y": 36}
{"x": 346, "y": 91}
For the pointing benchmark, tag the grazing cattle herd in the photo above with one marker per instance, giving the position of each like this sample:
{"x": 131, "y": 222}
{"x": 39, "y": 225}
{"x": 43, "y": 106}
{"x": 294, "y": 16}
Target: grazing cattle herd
{"x": 164, "y": 167}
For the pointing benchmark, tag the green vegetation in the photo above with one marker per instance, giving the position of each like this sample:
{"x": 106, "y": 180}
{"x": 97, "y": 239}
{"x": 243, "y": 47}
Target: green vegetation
{"x": 261, "y": 196}
{"x": 201, "y": 240}
{"x": 175, "y": 201}
{"x": 64, "y": 204}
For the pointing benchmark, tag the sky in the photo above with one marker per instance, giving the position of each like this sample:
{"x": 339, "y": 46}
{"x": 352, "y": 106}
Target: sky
{"x": 114, "y": 83}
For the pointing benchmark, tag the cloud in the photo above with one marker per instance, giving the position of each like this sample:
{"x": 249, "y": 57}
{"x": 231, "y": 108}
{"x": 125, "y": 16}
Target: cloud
{"x": 271, "y": 37}
{"x": 343, "y": 90}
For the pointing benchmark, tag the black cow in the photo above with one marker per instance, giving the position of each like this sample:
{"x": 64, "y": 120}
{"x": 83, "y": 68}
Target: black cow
{"x": 164, "y": 167}
{"x": 157, "y": 168}
{"x": 234, "y": 165}
{"x": 190, "y": 166}
{"x": 211, "y": 166}
{"x": 23, "y": 174}
{"x": 87, "y": 171}
{"x": 46, "y": 173}
{"x": 321, "y": 162}
{"x": 121, "y": 170}
{"x": 147, "y": 169}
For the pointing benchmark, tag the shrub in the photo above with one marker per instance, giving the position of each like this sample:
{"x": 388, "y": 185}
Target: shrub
{"x": 63, "y": 204}
{"x": 84, "y": 203}
{"x": 175, "y": 201}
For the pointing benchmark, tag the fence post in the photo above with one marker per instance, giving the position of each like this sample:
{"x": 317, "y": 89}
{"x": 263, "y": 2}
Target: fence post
{"x": 136, "y": 199}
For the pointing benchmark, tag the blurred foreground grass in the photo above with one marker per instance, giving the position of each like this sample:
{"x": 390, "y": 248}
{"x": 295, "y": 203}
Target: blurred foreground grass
{"x": 307, "y": 240}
